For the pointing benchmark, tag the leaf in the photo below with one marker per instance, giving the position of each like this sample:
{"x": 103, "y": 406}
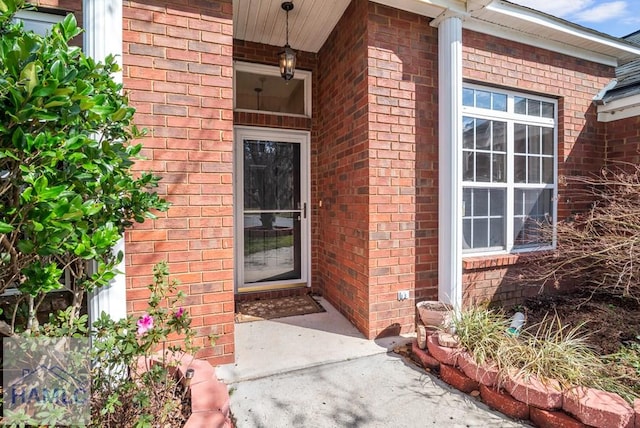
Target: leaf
{"x": 5, "y": 227}
{"x": 119, "y": 114}
{"x": 52, "y": 192}
{"x": 80, "y": 249}
{"x": 46, "y": 116}
{"x": 102, "y": 110}
{"x": 91, "y": 208}
{"x": 74, "y": 143}
{"x": 57, "y": 69}
{"x": 57, "y": 101}
{"x": 26, "y": 194}
{"x": 41, "y": 184}
{"x": 70, "y": 27}
{"x": 29, "y": 76}
{"x": 44, "y": 91}
{"x": 25, "y": 246}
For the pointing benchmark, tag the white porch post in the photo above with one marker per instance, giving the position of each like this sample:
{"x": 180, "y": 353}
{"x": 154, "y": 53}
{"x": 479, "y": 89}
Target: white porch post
{"x": 103, "y": 36}
{"x": 450, "y": 164}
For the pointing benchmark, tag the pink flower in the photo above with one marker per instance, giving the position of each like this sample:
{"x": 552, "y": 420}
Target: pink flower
{"x": 179, "y": 313}
{"x": 145, "y": 323}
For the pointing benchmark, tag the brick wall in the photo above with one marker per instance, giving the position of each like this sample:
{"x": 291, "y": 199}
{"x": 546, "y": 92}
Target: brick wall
{"x": 340, "y": 163}
{"x": 402, "y": 86}
{"x": 178, "y": 73}
{"x": 623, "y": 140}
{"x": 55, "y": 6}
{"x": 581, "y": 146}
{"x": 376, "y": 141}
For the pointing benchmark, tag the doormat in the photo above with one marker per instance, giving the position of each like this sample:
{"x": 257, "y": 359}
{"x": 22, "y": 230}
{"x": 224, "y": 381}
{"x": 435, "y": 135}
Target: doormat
{"x": 256, "y": 310}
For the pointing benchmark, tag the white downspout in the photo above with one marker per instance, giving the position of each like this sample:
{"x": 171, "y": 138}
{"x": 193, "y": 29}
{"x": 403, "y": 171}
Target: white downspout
{"x": 103, "y": 36}
{"x": 450, "y": 164}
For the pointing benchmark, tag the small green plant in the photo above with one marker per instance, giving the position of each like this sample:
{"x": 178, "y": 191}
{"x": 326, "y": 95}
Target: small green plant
{"x": 128, "y": 390}
{"x": 480, "y": 331}
{"x": 550, "y": 350}
{"x": 131, "y": 383}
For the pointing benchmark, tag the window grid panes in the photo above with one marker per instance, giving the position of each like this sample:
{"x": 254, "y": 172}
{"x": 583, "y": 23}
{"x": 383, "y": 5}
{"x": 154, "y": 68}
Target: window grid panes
{"x": 483, "y": 218}
{"x": 532, "y": 209}
{"x": 533, "y": 154}
{"x": 509, "y": 182}
{"x": 484, "y": 99}
{"x": 484, "y": 150}
{"x": 531, "y": 107}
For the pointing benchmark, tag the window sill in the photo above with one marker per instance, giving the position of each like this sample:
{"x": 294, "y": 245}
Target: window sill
{"x": 484, "y": 262}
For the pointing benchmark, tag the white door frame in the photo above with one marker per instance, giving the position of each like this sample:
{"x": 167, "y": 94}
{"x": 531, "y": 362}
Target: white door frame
{"x": 303, "y": 138}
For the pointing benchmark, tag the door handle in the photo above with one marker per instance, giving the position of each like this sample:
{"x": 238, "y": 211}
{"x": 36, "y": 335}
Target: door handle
{"x": 304, "y": 210}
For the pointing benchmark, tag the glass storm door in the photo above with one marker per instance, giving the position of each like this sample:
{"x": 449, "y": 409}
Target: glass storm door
{"x": 272, "y": 222}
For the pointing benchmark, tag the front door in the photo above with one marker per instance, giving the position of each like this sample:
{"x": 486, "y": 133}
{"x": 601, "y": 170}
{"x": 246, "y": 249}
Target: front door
{"x": 271, "y": 208}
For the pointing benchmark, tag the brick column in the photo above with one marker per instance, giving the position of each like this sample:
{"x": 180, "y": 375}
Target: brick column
{"x": 178, "y": 72}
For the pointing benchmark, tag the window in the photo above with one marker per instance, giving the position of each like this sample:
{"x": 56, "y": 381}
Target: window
{"x": 509, "y": 181}
{"x": 260, "y": 88}
{"x": 38, "y": 22}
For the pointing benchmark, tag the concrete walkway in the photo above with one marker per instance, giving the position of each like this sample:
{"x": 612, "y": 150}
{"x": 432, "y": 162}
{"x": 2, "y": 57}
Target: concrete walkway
{"x": 318, "y": 371}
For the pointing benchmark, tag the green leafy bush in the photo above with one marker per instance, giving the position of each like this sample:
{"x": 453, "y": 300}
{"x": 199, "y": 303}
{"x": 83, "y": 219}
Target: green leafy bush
{"x": 132, "y": 383}
{"x": 67, "y": 192}
{"x": 124, "y": 392}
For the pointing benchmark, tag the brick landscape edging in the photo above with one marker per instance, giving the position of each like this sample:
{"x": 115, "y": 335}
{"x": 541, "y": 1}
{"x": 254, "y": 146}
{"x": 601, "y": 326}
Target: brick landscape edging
{"x": 210, "y": 402}
{"x": 593, "y": 407}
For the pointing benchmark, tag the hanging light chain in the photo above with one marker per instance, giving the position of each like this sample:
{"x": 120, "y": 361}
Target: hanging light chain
{"x": 287, "y": 36}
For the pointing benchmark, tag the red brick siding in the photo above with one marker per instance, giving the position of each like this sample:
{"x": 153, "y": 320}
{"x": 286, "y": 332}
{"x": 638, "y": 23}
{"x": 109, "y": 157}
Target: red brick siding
{"x": 402, "y": 86}
{"x": 623, "y": 141}
{"x": 340, "y": 162}
{"x": 178, "y": 73}
{"x": 581, "y": 146}
{"x": 376, "y": 123}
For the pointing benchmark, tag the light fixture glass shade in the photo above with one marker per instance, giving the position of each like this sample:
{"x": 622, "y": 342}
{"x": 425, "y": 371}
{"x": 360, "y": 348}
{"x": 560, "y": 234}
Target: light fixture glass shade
{"x": 287, "y": 60}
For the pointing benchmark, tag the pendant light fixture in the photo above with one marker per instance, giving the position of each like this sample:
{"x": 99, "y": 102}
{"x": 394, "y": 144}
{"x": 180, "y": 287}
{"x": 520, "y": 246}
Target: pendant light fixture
{"x": 287, "y": 58}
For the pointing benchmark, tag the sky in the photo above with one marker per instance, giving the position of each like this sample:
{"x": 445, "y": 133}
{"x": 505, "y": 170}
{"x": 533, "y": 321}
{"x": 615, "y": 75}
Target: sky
{"x": 615, "y": 17}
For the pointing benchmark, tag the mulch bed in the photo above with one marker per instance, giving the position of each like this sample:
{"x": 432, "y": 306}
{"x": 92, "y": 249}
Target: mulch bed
{"x": 608, "y": 322}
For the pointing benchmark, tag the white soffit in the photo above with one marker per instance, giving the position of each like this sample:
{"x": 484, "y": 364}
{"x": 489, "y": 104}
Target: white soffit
{"x": 619, "y": 109}
{"x": 429, "y": 8}
{"x": 514, "y": 22}
{"x": 534, "y": 25}
{"x": 264, "y": 21}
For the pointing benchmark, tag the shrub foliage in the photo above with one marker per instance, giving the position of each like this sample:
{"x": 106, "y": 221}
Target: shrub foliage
{"x": 66, "y": 189}
{"x": 597, "y": 249}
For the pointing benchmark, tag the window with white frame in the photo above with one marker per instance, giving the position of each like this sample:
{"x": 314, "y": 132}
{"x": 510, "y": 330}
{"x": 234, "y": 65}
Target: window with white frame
{"x": 38, "y": 22}
{"x": 509, "y": 180}
{"x": 259, "y": 88}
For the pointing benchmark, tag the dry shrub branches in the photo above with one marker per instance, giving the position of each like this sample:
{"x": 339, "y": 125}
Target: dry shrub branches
{"x": 597, "y": 249}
